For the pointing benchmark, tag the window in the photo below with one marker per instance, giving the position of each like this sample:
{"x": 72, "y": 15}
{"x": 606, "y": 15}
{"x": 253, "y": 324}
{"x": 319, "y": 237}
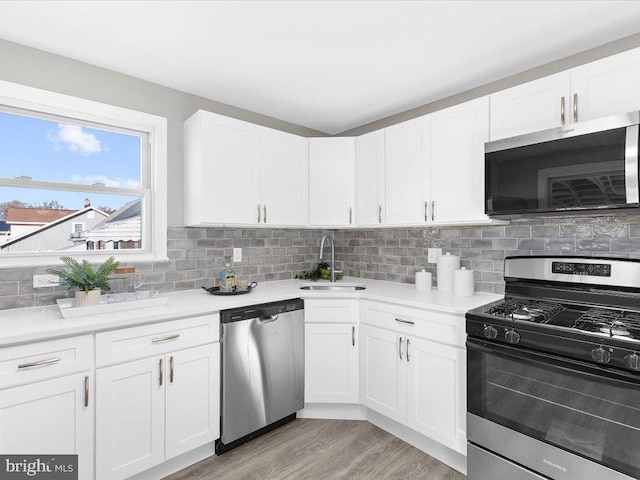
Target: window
{"x": 79, "y": 178}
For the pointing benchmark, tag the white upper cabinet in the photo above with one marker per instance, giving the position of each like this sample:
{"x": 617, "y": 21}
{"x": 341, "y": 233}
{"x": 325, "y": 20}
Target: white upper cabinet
{"x": 284, "y": 187}
{"x": 606, "y": 87}
{"x": 458, "y": 135}
{"x": 243, "y": 174}
{"x": 532, "y": 106}
{"x": 407, "y": 161}
{"x": 370, "y": 179}
{"x": 331, "y": 181}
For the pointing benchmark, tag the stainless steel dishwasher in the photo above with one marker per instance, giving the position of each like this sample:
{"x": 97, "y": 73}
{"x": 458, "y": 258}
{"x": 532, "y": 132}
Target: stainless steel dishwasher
{"x": 262, "y": 369}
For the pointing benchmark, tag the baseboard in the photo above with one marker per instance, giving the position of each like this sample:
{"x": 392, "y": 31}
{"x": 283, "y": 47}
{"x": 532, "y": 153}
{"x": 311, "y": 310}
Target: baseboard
{"x": 447, "y": 456}
{"x": 177, "y": 463}
{"x": 333, "y": 411}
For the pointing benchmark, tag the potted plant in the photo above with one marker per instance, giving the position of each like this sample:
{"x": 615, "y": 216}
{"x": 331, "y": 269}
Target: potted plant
{"x": 89, "y": 282}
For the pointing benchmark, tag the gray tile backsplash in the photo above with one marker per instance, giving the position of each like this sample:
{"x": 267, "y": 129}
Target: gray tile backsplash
{"x": 196, "y": 255}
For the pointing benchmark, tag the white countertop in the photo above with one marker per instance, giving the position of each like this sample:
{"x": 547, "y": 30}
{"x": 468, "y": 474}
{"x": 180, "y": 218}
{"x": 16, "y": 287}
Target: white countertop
{"x": 41, "y": 323}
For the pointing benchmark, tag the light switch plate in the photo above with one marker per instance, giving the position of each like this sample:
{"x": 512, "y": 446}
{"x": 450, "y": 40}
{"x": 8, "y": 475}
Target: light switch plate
{"x": 41, "y": 281}
{"x": 237, "y": 255}
{"x": 433, "y": 254}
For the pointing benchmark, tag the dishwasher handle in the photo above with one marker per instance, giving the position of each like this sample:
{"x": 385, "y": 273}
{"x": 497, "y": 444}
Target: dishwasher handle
{"x": 268, "y": 319}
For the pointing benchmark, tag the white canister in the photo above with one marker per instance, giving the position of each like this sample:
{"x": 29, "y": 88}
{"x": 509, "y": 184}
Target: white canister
{"x": 423, "y": 280}
{"x": 463, "y": 285}
{"x": 446, "y": 266}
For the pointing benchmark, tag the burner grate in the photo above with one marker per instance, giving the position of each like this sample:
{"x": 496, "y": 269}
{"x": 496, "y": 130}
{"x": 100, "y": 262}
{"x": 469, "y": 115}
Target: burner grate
{"x": 615, "y": 323}
{"x": 527, "y": 310}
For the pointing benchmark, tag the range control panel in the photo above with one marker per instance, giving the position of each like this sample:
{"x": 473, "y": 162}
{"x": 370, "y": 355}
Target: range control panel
{"x": 575, "y": 268}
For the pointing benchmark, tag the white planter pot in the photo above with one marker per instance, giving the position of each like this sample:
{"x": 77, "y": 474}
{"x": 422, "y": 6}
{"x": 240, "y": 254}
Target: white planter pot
{"x": 87, "y": 299}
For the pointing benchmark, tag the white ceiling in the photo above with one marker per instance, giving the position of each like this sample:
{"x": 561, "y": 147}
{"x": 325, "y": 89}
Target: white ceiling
{"x": 326, "y": 65}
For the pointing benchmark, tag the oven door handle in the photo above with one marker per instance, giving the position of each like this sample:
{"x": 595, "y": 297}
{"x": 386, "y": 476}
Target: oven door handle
{"x": 548, "y": 359}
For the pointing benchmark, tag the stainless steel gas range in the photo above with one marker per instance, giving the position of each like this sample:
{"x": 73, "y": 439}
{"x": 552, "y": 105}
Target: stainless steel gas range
{"x": 553, "y": 372}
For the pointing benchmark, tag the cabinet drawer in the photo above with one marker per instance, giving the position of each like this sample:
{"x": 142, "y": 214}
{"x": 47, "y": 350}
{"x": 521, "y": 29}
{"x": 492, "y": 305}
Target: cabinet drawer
{"x": 435, "y": 326}
{"x": 138, "y": 342}
{"x": 33, "y": 362}
{"x": 331, "y": 311}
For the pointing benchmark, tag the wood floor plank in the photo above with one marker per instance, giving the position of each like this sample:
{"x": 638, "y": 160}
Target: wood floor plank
{"x": 307, "y": 449}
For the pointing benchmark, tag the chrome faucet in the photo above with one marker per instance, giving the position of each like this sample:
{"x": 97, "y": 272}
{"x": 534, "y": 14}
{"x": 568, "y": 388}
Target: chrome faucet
{"x": 333, "y": 254}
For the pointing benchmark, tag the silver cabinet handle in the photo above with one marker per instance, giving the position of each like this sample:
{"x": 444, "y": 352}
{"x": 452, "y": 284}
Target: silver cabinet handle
{"x": 161, "y": 371}
{"x": 259, "y": 213}
{"x": 166, "y": 339}
{"x": 426, "y": 211}
{"x": 39, "y": 363}
{"x": 353, "y": 336}
{"x": 400, "y": 347}
{"x": 86, "y": 391}
{"x": 408, "y": 352}
{"x": 350, "y": 215}
{"x": 575, "y": 107}
{"x": 171, "y": 369}
{"x": 264, "y": 210}
{"x": 562, "y": 110}
{"x": 433, "y": 210}
{"x": 408, "y": 322}
{"x": 379, "y": 213}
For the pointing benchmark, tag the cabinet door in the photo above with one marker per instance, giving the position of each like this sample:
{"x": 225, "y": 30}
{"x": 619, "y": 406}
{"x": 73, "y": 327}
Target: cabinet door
{"x": 331, "y": 363}
{"x": 530, "y": 107}
{"x": 436, "y": 392}
{"x": 458, "y": 135}
{"x": 607, "y": 87}
{"x": 370, "y": 204}
{"x": 50, "y": 417}
{"x": 192, "y": 398}
{"x": 129, "y": 418}
{"x": 407, "y": 166}
{"x": 383, "y": 381}
{"x": 331, "y": 177}
{"x": 229, "y": 173}
{"x": 284, "y": 165}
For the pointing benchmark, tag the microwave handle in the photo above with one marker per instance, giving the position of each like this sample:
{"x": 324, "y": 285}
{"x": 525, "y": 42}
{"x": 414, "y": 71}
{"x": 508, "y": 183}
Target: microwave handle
{"x": 631, "y": 165}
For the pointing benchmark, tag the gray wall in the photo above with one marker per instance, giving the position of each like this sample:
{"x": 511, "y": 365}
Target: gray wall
{"x": 36, "y": 68}
{"x": 393, "y": 254}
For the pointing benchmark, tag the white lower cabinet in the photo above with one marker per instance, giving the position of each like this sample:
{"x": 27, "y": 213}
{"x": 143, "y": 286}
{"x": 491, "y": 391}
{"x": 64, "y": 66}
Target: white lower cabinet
{"x": 331, "y": 363}
{"x": 153, "y": 409}
{"x": 50, "y": 417}
{"x": 331, "y": 351}
{"x": 416, "y": 382}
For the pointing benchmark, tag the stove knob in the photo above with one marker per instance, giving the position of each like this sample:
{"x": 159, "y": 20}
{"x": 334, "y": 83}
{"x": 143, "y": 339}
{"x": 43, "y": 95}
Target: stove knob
{"x": 512, "y": 336}
{"x": 600, "y": 355}
{"x": 490, "y": 332}
{"x": 632, "y": 361}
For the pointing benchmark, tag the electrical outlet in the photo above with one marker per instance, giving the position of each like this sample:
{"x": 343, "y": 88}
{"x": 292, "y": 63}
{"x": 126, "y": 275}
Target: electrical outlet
{"x": 237, "y": 255}
{"x": 433, "y": 254}
{"x": 41, "y": 281}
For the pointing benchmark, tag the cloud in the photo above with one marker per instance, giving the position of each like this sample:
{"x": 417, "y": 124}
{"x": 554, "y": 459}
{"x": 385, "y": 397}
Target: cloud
{"x": 76, "y": 140}
{"x": 108, "y": 182}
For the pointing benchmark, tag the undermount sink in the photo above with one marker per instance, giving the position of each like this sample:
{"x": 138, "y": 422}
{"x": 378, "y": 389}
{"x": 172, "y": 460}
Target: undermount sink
{"x": 333, "y": 288}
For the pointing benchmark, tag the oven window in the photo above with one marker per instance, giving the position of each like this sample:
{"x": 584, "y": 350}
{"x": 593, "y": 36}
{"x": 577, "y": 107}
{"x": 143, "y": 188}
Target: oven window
{"x": 586, "y": 414}
{"x": 572, "y": 173}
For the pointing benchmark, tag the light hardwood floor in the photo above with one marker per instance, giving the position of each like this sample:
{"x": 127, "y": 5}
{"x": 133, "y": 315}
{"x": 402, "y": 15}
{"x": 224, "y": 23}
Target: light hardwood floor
{"x": 322, "y": 450}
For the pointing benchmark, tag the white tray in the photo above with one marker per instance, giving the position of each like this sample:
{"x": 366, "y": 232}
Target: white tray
{"x": 69, "y": 310}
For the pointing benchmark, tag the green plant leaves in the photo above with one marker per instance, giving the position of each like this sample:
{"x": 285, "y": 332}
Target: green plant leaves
{"x": 83, "y": 276}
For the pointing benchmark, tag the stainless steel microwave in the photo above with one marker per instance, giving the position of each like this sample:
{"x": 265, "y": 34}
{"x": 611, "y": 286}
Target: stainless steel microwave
{"x": 585, "y": 168}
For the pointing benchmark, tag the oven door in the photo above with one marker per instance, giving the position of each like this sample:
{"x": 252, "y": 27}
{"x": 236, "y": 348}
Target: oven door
{"x": 564, "y": 419}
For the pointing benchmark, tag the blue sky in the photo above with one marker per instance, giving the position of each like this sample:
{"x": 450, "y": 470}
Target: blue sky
{"x": 52, "y": 151}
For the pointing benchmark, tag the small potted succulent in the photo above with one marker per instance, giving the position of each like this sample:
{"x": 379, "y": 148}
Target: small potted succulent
{"x": 89, "y": 282}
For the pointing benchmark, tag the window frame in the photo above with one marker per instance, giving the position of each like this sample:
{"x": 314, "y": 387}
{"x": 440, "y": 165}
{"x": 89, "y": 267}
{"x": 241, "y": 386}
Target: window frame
{"x": 153, "y": 170}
